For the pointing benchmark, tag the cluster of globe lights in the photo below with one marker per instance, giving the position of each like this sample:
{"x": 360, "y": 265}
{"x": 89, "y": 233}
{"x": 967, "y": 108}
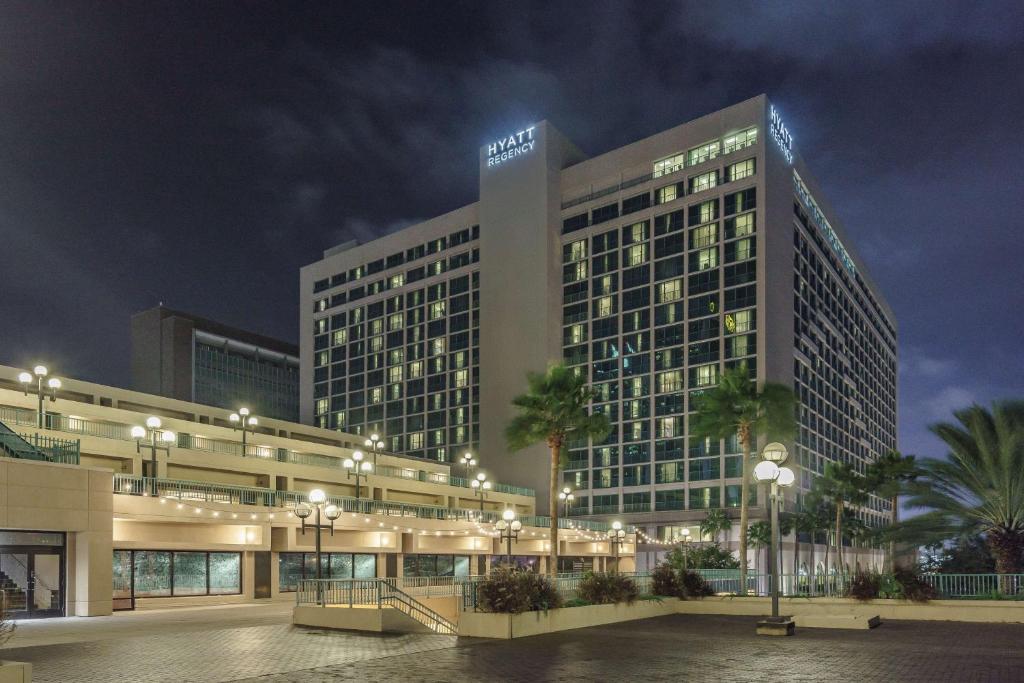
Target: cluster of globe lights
{"x": 317, "y": 497}
{"x": 39, "y": 371}
{"x": 242, "y": 416}
{"x": 770, "y": 470}
{"x": 154, "y": 424}
{"x": 354, "y": 463}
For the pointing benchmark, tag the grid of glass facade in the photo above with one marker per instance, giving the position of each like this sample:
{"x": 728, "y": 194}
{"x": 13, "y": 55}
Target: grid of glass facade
{"x": 396, "y": 348}
{"x": 654, "y": 307}
{"x": 268, "y": 385}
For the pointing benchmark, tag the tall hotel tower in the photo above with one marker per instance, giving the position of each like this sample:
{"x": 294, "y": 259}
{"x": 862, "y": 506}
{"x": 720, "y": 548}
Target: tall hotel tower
{"x": 650, "y": 268}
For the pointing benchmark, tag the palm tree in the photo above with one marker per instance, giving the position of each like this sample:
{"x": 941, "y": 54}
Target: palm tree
{"x": 759, "y": 535}
{"x": 889, "y": 477}
{"x": 736, "y": 407}
{"x": 980, "y": 488}
{"x": 843, "y": 486}
{"x": 555, "y": 410}
{"x": 714, "y": 523}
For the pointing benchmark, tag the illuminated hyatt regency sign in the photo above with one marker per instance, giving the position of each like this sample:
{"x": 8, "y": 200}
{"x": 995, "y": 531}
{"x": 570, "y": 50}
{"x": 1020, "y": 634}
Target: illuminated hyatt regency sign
{"x": 512, "y": 146}
{"x": 780, "y": 134}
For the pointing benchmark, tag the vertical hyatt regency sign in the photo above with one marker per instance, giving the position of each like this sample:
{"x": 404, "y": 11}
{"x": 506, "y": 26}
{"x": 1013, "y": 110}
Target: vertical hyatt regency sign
{"x": 509, "y": 147}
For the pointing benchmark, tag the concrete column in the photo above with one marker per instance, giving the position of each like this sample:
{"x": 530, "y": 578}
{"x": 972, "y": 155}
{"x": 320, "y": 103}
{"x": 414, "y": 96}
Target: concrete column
{"x": 90, "y": 560}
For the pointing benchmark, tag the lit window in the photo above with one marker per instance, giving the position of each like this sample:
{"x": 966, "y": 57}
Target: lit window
{"x": 744, "y": 138}
{"x": 376, "y": 395}
{"x": 667, "y": 427}
{"x": 396, "y": 321}
{"x": 699, "y": 155}
{"x": 395, "y": 374}
{"x": 706, "y": 211}
{"x": 321, "y": 406}
{"x": 415, "y": 369}
{"x": 668, "y": 165}
{"x": 579, "y": 272}
{"x": 707, "y": 258}
{"x": 461, "y": 378}
{"x": 704, "y": 236}
{"x": 670, "y": 381}
{"x": 704, "y": 181}
{"x": 577, "y": 334}
{"x": 322, "y": 358}
{"x": 577, "y": 251}
{"x": 376, "y": 344}
{"x": 604, "y": 306}
{"x": 739, "y": 170}
{"x": 744, "y": 224}
{"x": 706, "y": 375}
{"x": 437, "y": 346}
{"x": 636, "y": 254}
{"x": 670, "y": 291}
{"x": 376, "y": 326}
{"x": 340, "y": 418}
{"x": 340, "y": 337}
{"x": 666, "y": 194}
{"x": 416, "y": 440}
{"x": 743, "y": 248}
{"x": 740, "y": 321}
{"x": 396, "y": 281}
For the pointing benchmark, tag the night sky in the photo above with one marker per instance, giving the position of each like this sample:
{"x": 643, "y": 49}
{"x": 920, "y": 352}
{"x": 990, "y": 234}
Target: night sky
{"x": 199, "y": 153}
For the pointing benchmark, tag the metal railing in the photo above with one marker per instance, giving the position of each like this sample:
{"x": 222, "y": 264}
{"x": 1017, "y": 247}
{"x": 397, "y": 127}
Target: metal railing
{"x": 978, "y": 586}
{"x": 200, "y": 491}
{"x": 377, "y": 593}
{"x": 38, "y": 447}
{"x": 122, "y": 432}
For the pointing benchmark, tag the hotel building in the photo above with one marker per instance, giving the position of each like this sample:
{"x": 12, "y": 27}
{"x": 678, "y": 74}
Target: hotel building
{"x": 651, "y": 269}
{"x": 83, "y": 532}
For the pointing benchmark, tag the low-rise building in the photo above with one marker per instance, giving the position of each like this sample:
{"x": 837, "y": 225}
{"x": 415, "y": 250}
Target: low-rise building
{"x": 104, "y": 507}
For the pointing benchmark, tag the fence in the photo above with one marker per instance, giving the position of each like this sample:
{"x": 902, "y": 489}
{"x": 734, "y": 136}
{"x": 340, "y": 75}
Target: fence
{"x": 977, "y": 586}
{"x": 377, "y": 593}
{"x": 948, "y": 586}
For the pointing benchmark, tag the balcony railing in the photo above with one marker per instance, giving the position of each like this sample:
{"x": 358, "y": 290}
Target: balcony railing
{"x": 39, "y": 448}
{"x": 206, "y": 492}
{"x": 122, "y": 432}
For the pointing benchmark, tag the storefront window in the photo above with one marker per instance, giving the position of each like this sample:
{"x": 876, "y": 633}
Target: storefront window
{"x": 190, "y": 573}
{"x": 159, "y": 573}
{"x": 293, "y": 567}
{"x": 225, "y": 573}
{"x": 436, "y": 565}
{"x": 152, "y": 573}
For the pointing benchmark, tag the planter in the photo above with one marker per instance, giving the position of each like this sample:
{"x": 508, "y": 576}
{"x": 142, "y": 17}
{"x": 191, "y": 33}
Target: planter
{"x": 989, "y": 611}
{"x": 490, "y": 625}
{"x": 15, "y": 672}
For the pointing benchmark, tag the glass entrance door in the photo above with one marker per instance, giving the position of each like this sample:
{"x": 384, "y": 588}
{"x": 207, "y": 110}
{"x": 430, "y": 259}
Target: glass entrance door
{"x": 32, "y": 581}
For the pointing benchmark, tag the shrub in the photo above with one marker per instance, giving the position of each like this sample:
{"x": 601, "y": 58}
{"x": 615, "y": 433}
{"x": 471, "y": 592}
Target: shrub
{"x": 694, "y": 585}
{"x": 864, "y": 586}
{"x": 665, "y": 581}
{"x": 709, "y": 556}
{"x": 913, "y": 587}
{"x": 604, "y": 589}
{"x": 512, "y": 591}
{"x": 575, "y": 602}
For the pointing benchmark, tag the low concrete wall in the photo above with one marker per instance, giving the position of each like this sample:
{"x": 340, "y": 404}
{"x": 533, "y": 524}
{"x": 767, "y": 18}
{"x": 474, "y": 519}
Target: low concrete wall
{"x": 15, "y": 672}
{"x": 386, "y": 620}
{"x": 991, "y": 611}
{"x": 489, "y": 625}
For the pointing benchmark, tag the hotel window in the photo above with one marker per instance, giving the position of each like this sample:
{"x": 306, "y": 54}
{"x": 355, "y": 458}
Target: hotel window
{"x": 669, "y": 382}
{"x": 394, "y": 392}
{"x": 739, "y": 170}
{"x": 670, "y": 291}
{"x": 460, "y": 359}
{"x": 322, "y": 358}
{"x": 575, "y": 251}
{"x": 340, "y": 419}
{"x": 604, "y": 306}
{"x": 636, "y": 254}
{"x": 744, "y": 138}
{"x": 739, "y": 226}
{"x": 437, "y": 347}
{"x": 634, "y": 387}
{"x": 437, "y": 437}
{"x": 631, "y": 234}
{"x": 376, "y": 327}
{"x": 461, "y": 378}
{"x": 705, "y": 498}
{"x": 666, "y": 194}
{"x": 396, "y": 281}
{"x": 739, "y": 321}
{"x": 320, "y": 326}
{"x": 376, "y": 395}
{"x": 698, "y": 155}
{"x": 667, "y": 427}
{"x": 741, "y": 250}
{"x": 704, "y": 181}
{"x": 707, "y": 258}
{"x": 416, "y": 369}
{"x": 704, "y": 236}
{"x": 416, "y": 440}
{"x": 668, "y": 165}
{"x": 577, "y": 334}
{"x": 437, "y": 310}
{"x": 396, "y": 321}
{"x": 740, "y": 345}
{"x": 705, "y": 375}
{"x": 577, "y": 271}
{"x": 395, "y": 374}
{"x": 376, "y": 344}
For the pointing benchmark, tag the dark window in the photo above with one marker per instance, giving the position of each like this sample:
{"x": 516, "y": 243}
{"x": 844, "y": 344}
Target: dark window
{"x": 604, "y": 213}
{"x": 574, "y": 223}
{"x": 636, "y": 203}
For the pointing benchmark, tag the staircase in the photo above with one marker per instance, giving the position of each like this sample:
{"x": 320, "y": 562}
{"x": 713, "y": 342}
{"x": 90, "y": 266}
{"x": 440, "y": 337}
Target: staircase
{"x": 407, "y": 604}
{"x": 14, "y": 597}
{"x": 377, "y": 593}
{"x": 14, "y": 446}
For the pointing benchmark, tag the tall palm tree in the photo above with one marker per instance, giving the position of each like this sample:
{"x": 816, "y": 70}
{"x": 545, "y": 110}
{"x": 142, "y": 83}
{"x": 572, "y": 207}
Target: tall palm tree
{"x": 555, "y": 410}
{"x": 889, "y": 477}
{"x": 736, "y": 407}
{"x": 759, "y": 535}
{"x": 843, "y": 486}
{"x": 714, "y": 523}
{"x": 980, "y": 488}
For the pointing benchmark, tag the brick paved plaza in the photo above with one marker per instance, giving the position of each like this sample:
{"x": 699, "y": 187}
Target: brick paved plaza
{"x": 256, "y": 645}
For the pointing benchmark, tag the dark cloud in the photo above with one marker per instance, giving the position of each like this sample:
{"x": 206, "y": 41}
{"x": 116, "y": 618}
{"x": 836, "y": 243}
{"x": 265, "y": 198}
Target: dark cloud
{"x": 201, "y": 153}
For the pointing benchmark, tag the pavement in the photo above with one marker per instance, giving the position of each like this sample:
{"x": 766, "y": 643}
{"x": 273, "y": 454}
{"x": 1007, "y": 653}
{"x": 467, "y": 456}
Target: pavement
{"x": 257, "y": 644}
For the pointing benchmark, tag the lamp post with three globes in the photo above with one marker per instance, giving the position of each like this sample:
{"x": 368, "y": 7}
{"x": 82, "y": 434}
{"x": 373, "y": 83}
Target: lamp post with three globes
{"x": 769, "y": 470}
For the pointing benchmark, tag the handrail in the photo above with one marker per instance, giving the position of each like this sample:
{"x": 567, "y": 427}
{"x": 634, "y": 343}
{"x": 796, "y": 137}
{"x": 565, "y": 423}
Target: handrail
{"x": 379, "y": 592}
{"x": 122, "y": 432}
{"x": 187, "y": 490}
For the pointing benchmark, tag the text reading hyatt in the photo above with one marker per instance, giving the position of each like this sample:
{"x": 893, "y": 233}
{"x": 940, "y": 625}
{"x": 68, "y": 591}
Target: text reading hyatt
{"x": 512, "y": 146}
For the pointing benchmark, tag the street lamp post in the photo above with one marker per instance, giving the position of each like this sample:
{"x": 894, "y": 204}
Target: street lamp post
{"x": 616, "y": 536}
{"x": 374, "y": 443}
{"x": 244, "y": 421}
{"x": 355, "y": 467}
{"x": 508, "y": 527}
{"x": 469, "y": 462}
{"x": 768, "y": 470}
{"x": 567, "y": 497}
{"x": 154, "y": 433}
{"x": 317, "y": 498}
{"x": 480, "y": 487}
{"x": 41, "y": 390}
{"x": 684, "y": 540}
